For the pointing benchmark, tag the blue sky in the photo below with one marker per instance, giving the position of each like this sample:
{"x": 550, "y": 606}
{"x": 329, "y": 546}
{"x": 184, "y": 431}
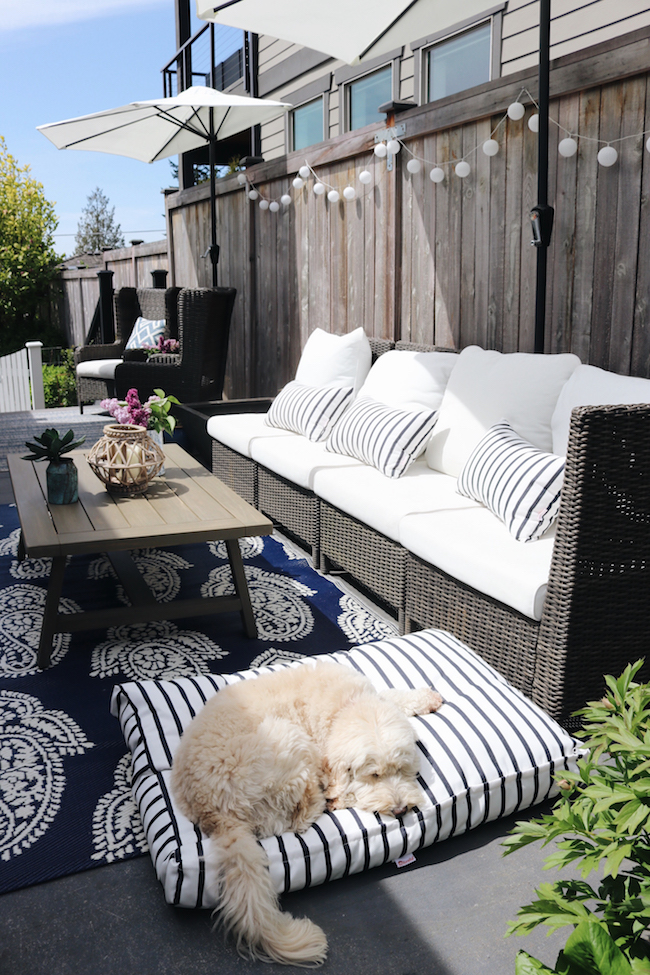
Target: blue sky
{"x": 63, "y": 58}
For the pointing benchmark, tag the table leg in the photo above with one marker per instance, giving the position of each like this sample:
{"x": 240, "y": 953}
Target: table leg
{"x": 21, "y": 547}
{"x": 54, "y": 588}
{"x": 241, "y": 587}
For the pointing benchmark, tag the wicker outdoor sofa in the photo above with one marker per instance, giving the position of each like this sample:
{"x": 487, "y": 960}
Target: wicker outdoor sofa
{"x": 591, "y": 619}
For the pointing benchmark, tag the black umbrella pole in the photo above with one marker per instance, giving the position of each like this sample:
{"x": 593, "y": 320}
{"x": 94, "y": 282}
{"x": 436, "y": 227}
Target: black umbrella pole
{"x": 214, "y": 249}
{"x": 542, "y": 167}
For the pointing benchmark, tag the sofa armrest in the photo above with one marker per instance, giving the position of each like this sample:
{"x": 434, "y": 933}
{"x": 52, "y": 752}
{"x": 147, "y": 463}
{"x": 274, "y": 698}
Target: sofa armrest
{"x": 595, "y": 617}
{"x": 135, "y": 355}
{"x": 259, "y": 404}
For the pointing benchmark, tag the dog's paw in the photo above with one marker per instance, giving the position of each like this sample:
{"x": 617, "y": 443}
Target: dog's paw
{"x": 431, "y": 701}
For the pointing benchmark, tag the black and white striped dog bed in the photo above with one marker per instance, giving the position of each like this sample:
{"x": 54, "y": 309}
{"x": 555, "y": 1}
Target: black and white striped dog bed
{"x": 486, "y": 753}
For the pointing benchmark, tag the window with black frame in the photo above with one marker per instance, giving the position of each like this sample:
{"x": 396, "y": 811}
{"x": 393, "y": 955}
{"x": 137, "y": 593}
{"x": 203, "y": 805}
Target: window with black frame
{"x": 307, "y": 124}
{"x": 366, "y": 95}
{"x": 459, "y": 62}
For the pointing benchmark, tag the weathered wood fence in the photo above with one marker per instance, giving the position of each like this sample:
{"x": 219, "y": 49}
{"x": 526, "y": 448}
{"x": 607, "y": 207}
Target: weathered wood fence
{"x": 450, "y": 263}
{"x": 132, "y": 267}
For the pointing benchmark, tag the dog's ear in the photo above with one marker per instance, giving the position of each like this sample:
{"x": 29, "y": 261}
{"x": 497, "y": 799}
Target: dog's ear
{"x": 337, "y": 783}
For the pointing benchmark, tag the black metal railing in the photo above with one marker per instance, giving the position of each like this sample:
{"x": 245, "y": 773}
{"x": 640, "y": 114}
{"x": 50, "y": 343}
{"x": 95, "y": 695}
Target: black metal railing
{"x": 195, "y": 64}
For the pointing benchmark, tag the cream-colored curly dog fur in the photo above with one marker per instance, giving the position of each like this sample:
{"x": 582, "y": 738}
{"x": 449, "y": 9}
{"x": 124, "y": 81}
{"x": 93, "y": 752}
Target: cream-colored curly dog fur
{"x": 270, "y": 754}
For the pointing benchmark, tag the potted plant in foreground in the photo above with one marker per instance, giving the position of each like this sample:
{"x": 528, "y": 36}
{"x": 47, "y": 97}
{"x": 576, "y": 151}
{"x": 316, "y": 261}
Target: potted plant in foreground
{"x": 602, "y": 820}
{"x": 61, "y": 474}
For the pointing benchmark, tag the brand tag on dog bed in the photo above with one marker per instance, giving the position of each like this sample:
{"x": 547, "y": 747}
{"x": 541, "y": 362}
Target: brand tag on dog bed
{"x": 404, "y": 861}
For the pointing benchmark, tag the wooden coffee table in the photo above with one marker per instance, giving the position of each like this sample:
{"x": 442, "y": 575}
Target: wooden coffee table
{"x": 187, "y": 504}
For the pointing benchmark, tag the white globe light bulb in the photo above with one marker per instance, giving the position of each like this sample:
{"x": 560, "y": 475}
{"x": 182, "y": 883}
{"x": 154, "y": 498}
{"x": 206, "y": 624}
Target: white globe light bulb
{"x": 533, "y": 123}
{"x": 286, "y": 199}
{"x": 305, "y": 172}
{"x": 647, "y": 145}
{"x": 381, "y": 150}
{"x": 365, "y": 176}
{"x": 274, "y": 206}
{"x": 241, "y": 178}
{"x": 607, "y": 156}
{"x": 516, "y": 111}
{"x": 393, "y": 146}
{"x": 462, "y": 169}
{"x": 490, "y": 147}
{"x": 298, "y": 183}
{"x": 264, "y": 204}
{"x": 253, "y": 194}
{"x": 319, "y": 189}
{"x": 437, "y": 175}
{"x": 349, "y": 193}
{"x": 568, "y": 147}
{"x": 414, "y": 165}
{"x": 333, "y": 196}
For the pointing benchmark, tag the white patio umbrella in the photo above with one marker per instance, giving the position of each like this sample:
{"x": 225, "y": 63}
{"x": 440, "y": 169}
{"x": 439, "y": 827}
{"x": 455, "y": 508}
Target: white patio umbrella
{"x": 351, "y": 31}
{"x": 162, "y": 127}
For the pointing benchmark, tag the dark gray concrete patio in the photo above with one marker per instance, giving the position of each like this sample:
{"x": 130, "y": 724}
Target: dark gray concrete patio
{"x": 445, "y": 915}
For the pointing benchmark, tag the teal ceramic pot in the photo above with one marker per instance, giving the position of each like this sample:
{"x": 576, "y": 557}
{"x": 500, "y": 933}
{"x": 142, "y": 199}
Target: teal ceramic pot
{"x": 62, "y": 482}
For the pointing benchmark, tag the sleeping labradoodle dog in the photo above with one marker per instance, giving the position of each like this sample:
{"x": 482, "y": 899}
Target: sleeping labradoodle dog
{"x": 271, "y": 754}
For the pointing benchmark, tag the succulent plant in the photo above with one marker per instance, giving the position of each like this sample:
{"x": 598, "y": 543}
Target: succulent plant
{"x": 50, "y": 446}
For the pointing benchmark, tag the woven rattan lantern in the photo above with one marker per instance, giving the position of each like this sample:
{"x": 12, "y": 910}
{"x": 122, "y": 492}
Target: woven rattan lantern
{"x": 126, "y": 459}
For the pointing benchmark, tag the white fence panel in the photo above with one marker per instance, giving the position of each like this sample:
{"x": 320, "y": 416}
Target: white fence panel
{"x": 14, "y": 383}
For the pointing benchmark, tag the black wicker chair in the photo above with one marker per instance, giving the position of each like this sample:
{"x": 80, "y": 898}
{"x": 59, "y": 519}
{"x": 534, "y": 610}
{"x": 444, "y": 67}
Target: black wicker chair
{"x": 129, "y": 305}
{"x": 197, "y": 373}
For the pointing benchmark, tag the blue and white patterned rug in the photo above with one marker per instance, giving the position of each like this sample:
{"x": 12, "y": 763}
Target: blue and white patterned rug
{"x": 65, "y": 799}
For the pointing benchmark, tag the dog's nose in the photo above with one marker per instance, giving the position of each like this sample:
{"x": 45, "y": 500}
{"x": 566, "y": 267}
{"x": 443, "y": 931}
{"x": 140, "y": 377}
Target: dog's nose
{"x": 399, "y": 810}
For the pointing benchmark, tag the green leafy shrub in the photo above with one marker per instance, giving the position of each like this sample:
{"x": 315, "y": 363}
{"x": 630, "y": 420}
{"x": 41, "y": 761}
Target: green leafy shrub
{"x": 28, "y": 261}
{"x": 603, "y": 817}
{"x": 59, "y": 384}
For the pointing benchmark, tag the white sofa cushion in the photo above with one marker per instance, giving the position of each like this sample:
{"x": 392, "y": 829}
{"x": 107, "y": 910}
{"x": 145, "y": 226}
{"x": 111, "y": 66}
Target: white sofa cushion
{"x": 335, "y": 360}
{"x": 239, "y": 430}
{"x": 98, "y": 368}
{"x": 518, "y": 483}
{"x": 472, "y": 545}
{"x": 590, "y": 386}
{"x": 389, "y": 439}
{"x": 486, "y": 387}
{"x": 409, "y": 380}
{"x": 309, "y": 410}
{"x": 296, "y": 458}
{"x": 488, "y": 752}
{"x": 381, "y": 502}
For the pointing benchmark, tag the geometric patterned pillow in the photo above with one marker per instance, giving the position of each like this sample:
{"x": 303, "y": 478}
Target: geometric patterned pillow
{"x": 387, "y": 438}
{"x": 309, "y": 410}
{"x": 520, "y": 484}
{"x": 146, "y": 333}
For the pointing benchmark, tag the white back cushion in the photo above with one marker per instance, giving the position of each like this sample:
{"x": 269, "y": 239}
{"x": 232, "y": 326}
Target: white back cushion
{"x": 409, "y": 380}
{"x": 590, "y": 386}
{"x": 486, "y": 387}
{"x": 335, "y": 360}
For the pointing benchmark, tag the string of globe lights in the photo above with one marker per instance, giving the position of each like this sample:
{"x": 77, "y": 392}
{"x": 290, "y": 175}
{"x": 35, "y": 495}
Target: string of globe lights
{"x": 320, "y": 187}
{"x": 568, "y": 146}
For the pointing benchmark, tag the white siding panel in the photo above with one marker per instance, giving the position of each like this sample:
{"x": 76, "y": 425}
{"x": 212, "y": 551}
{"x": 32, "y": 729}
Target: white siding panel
{"x": 574, "y": 26}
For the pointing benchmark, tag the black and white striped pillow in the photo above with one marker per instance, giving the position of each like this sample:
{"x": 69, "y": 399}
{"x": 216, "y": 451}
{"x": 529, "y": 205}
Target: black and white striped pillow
{"x": 309, "y": 410}
{"x": 387, "y": 438}
{"x": 520, "y": 484}
{"x": 487, "y": 753}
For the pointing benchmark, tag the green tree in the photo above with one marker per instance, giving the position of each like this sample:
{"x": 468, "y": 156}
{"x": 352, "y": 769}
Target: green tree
{"x": 97, "y": 229}
{"x": 27, "y": 258}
